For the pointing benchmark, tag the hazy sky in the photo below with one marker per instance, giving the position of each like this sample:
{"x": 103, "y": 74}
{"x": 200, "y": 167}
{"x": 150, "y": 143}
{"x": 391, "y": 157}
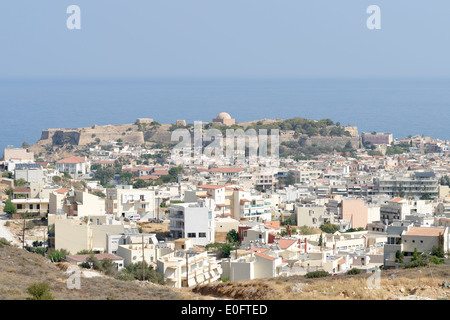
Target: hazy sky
{"x": 224, "y": 38}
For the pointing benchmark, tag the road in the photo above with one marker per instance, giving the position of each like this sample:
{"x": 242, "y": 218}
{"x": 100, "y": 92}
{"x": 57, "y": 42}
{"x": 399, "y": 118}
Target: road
{"x": 5, "y": 233}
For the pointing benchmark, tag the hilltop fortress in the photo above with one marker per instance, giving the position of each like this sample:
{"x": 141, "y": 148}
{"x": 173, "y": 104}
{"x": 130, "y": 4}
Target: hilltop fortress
{"x": 148, "y": 130}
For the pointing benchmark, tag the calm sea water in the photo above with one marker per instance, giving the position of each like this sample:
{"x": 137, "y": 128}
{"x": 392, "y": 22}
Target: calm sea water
{"x": 402, "y": 107}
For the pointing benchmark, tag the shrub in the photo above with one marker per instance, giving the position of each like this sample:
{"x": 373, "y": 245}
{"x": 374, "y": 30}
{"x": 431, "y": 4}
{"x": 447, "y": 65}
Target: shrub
{"x": 134, "y": 272}
{"x": 329, "y": 228}
{"x": 4, "y": 242}
{"x": 317, "y": 274}
{"x": 57, "y": 255}
{"x": 9, "y": 208}
{"x": 29, "y": 225}
{"x": 354, "y": 271}
{"x": 40, "y": 291}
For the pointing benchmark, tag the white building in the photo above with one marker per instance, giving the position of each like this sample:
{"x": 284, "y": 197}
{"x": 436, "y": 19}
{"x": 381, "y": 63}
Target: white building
{"x": 124, "y": 201}
{"x": 194, "y": 221}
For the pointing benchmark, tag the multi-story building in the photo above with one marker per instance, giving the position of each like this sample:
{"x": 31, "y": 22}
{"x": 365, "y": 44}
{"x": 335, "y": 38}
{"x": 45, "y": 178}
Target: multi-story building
{"x": 377, "y": 137}
{"x": 73, "y": 165}
{"x": 194, "y": 221}
{"x": 412, "y": 185}
{"x": 124, "y": 201}
{"x": 187, "y": 267}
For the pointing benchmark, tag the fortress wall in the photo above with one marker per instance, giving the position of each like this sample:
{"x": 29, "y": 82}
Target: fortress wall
{"x": 333, "y": 141}
{"x": 135, "y": 138}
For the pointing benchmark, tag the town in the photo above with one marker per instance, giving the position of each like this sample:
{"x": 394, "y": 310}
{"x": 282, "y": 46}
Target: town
{"x": 112, "y": 200}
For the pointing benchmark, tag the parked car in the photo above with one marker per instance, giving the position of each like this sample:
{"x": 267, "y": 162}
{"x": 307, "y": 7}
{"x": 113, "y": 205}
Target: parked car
{"x": 134, "y": 217}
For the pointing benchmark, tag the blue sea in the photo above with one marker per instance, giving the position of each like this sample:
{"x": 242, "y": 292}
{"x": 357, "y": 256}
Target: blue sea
{"x": 402, "y": 107}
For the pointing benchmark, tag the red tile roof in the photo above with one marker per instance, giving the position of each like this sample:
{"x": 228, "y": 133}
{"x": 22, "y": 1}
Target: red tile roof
{"x": 262, "y": 255}
{"x": 71, "y": 160}
{"x": 210, "y": 186}
{"x": 286, "y": 243}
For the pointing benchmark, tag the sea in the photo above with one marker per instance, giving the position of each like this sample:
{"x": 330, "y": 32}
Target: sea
{"x": 402, "y": 107}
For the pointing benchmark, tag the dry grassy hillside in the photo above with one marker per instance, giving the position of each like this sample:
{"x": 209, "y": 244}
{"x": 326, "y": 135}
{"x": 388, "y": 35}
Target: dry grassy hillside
{"x": 19, "y": 269}
{"x": 423, "y": 283}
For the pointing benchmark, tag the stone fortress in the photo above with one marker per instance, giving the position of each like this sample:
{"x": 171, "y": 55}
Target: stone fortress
{"x": 142, "y": 131}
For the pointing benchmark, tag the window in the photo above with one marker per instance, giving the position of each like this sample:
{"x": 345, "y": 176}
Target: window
{"x": 202, "y": 234}
{"x": 191, "y": 235}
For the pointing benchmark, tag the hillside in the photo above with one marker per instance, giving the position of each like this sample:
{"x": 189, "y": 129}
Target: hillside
{"x": 19, "y": 269}
{"x": 401, "y": 284}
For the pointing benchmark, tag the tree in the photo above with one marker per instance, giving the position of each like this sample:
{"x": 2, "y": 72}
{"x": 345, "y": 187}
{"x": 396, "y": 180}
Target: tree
{"x": 20, "y": 183}
{"x": 438, "y": 251}
{"x": 105, "y": 175}
{"x": 9, "y": 208}
{"x": 320, "y": 244}
{"x": 134, "y": 272}
{"x": 139, "y": 184}
{"x": 329, "y": 228}
{"x": 7, "y": 174}
{"x": 25, "y": 145}
{"x": 399, "y": 256}
{"x": 40, "y": 291}
{"x": 232, "y": 236}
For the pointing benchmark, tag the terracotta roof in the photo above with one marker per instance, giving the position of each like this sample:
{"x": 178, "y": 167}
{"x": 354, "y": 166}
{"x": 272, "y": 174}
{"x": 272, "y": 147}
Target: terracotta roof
{"x": 71, "y": 160}
{"x": 210, "y": 186}
{"x": 425, "y": 231}
{"x": 62, "y": 191}
{"x": 21, "y": 189}
{"x": 160, "y": 173}
{"x": 397, "y": 200}
{"x": 286, "y": 243}
{"x": 226, "y": 170}
{"x": 262, "y": 255}
{"x": 273, "y": 224}
{"x": 258, "y": 250}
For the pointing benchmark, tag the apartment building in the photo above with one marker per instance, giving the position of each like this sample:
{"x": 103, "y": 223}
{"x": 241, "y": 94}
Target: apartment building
{"x": 412, "y": 185}
{"x": 73, "y": 165}
{"x": 187, "y": 267}
{"x": 124, "y": 201}
{"x": 313, "y": 215}
{"x": 194, "y": 221}
{"x": 75, "y": 234}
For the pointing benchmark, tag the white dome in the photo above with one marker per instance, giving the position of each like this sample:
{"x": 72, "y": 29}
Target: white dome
{"x": 223, "y": 116}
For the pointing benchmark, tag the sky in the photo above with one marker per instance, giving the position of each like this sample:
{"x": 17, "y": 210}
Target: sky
{"x": 224, "y": 39}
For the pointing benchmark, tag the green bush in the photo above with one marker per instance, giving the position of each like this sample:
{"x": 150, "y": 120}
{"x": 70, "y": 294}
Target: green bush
{"x": 329, "y": 228}
{"x": 317, "y": 274}
{"x": 134, "y": 272}
{"x": 4, "y": 242}
{"x": 40, "y": 291}
{"x": 57, "y": 255}
{"x": 354, "y": 271}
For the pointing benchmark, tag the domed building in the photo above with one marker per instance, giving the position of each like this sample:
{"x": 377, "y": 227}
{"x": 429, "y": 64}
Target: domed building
{"x": 224, "y": 119}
